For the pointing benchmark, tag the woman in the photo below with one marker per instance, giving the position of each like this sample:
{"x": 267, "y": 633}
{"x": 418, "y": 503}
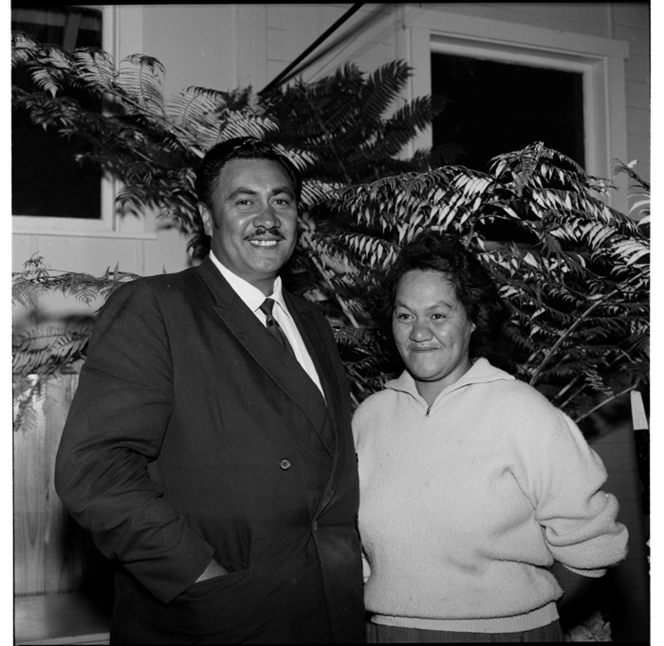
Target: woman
{"x": 471, "y": 483}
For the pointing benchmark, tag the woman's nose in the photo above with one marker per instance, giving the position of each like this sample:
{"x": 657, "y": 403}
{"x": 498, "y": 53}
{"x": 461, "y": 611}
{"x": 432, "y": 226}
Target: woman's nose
{"x": 421, "y": 331}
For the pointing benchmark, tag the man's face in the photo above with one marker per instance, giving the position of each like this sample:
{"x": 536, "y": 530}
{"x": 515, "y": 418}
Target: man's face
{"x": 253, "y": 223}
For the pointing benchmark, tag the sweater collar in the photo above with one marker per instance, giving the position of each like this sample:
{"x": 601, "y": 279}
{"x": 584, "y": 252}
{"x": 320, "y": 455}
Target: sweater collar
{"x": 480, "y": 372}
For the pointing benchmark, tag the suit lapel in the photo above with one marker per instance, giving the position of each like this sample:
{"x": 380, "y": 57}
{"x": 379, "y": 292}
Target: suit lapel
{"x": 284, "y": 370}
{"x": 317, "y": 348}
{"x": 320, "y": 353}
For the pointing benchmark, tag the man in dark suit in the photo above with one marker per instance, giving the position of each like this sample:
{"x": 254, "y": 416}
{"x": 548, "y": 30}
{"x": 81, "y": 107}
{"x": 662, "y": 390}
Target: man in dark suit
{"x": 208, "y": 449}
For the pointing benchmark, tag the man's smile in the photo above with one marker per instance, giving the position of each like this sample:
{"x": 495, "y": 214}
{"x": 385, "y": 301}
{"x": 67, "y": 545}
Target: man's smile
{"x": 264, "y": 243}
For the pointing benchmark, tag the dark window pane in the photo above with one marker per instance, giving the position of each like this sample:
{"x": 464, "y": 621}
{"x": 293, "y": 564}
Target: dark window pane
{"x": 500, "y": 107}
{"x": 46, "y": 181}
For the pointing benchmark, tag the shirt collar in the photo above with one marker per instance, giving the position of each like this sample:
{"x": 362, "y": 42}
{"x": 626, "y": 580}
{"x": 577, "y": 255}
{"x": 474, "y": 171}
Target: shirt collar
{"x": 481, "y": 371}
{"x": 251, "y": 296}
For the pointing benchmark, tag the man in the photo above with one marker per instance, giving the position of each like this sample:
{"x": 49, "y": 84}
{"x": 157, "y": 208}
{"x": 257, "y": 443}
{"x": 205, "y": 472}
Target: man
{"x": 208, "y": 448}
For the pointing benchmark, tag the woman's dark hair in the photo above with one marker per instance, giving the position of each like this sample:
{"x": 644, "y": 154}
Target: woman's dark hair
{"x": 207, "y": 173}
{"x": 473, "y": 287}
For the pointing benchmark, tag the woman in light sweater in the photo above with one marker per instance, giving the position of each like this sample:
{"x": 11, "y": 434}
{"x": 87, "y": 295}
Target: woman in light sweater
{"x": 479, "y": 501}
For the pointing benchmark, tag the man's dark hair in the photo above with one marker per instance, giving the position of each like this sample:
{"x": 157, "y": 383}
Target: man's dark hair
{"x": 207, "y": 173}
{"x": 473, "y": 287}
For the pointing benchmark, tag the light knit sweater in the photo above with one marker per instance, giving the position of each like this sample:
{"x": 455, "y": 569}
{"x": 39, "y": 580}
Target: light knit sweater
{"x": 464, "y": 505}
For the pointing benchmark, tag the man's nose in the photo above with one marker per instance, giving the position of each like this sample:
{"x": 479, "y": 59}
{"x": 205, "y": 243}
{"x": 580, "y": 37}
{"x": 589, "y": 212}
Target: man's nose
{"x": 266, "y": 217}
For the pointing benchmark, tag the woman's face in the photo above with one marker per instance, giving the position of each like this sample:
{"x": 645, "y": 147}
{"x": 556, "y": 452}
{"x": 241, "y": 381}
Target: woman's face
{"x": 431, "y": 330}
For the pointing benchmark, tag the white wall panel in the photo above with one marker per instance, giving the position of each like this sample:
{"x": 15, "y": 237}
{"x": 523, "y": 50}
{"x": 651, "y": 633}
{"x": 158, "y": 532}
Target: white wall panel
{"x": 93, "y": 254}
{"x": 638, "y": 121}
{"x": 632, "y": 24}
{"x": 638, "y": 39}
{"x": 639, "y": 148}
{"x": 196, "y": 43}
{"x": 590, "y": 18}
{"x": 367, "y": 38}
{"x": 21, "y": 250}
{"x": 251, "y": 45}
{"x": 631, "y": 14}
{"x": 638, "y": 93}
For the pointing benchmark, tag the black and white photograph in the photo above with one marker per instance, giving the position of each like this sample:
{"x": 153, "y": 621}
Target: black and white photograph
{"x": 330, "y": 323}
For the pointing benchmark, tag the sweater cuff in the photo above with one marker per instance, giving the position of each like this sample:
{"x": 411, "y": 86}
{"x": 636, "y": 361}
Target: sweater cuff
{"x": 591, "y": 574}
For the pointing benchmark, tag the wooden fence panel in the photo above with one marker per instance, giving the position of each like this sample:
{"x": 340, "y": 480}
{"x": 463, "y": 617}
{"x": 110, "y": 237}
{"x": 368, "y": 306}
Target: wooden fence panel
{"x": 626, "y": 588}
{"x": 48, "y": 546}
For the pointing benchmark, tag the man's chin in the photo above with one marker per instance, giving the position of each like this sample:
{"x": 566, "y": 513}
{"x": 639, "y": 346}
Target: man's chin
{"x": 269, "y": 265}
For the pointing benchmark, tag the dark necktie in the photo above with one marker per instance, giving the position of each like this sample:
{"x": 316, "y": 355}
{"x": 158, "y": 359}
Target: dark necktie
{"x": 273, "y": 327}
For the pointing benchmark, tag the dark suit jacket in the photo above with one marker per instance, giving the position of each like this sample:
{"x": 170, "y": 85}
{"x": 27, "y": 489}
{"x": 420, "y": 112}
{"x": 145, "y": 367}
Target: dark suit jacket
{"x": 194, "y": 435}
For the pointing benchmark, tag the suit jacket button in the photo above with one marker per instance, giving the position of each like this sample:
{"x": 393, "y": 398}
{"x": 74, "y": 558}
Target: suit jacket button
{"x": 285, "y": 464}
{"x": 315, "y": 526}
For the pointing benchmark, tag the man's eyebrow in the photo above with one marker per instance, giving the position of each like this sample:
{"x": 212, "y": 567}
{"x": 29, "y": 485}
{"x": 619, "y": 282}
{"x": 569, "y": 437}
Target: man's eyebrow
{"x": 282, "y": 189}
{"x": 242, "y": 190}
{"x": 245, "y": 190}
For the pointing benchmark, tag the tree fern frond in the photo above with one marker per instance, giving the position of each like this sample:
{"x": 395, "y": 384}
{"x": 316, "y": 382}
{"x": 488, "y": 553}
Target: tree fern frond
{"x": 94, "y": 71}
{"x": 195, "y": 104}
{"x": 383, "y": 87}
{"x": 138, "y": 87}
{"x": 575, "y": 271}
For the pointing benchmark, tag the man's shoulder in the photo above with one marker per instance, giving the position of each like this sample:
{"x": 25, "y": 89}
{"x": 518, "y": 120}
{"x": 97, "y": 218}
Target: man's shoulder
{"x": 178, "y": 278}
{"x": 162, "y": 283}
{"x": 154, "y": 294}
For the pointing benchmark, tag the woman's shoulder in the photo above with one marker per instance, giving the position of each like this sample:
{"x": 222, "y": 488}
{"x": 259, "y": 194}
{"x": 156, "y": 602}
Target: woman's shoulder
{"x": 374, "y": 408}
{"x": 523, "y": 412}
{"x": 518, "y": 404}
{"x": 376, "y": 401}
{"x": 516, "y": 389}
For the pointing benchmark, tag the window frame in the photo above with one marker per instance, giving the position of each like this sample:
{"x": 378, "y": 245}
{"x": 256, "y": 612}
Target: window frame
{"x": 121, "y": 35}
{"x": 601, "y": 61}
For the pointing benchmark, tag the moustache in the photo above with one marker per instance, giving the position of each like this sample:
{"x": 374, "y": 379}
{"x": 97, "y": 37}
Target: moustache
{"x": 274, "y": 232}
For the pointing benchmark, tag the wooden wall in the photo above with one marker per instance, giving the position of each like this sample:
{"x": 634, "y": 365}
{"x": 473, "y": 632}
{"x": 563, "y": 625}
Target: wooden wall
{"x": 51, "y": 553}
{"x": 625, "y": 590}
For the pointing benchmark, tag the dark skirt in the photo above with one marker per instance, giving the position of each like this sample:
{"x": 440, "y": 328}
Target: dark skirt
{"x": 379, "y": 634}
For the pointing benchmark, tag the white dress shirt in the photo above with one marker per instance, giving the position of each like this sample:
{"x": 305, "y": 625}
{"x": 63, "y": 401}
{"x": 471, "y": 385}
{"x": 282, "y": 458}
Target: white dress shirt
{"x": 253, "y": 299}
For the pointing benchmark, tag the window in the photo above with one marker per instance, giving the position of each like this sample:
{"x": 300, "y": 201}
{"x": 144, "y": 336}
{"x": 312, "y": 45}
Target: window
{"x": 46, "y": 181}
{"x": 497, "y": 107}
{"x": 594, "y": 66}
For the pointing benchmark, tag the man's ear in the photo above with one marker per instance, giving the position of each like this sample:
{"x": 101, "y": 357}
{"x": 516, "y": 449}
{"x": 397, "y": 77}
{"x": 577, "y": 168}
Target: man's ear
{"x": 206, "y": 216}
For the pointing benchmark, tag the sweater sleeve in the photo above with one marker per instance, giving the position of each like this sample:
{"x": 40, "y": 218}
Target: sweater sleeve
{"x": 563, "y": 477}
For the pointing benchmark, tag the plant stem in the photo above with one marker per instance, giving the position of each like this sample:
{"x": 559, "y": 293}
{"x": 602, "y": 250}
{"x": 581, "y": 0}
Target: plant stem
{"x": 567, "y": 334}
{"x": 606, "y": 401}
{"x": 566, "y": 388}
